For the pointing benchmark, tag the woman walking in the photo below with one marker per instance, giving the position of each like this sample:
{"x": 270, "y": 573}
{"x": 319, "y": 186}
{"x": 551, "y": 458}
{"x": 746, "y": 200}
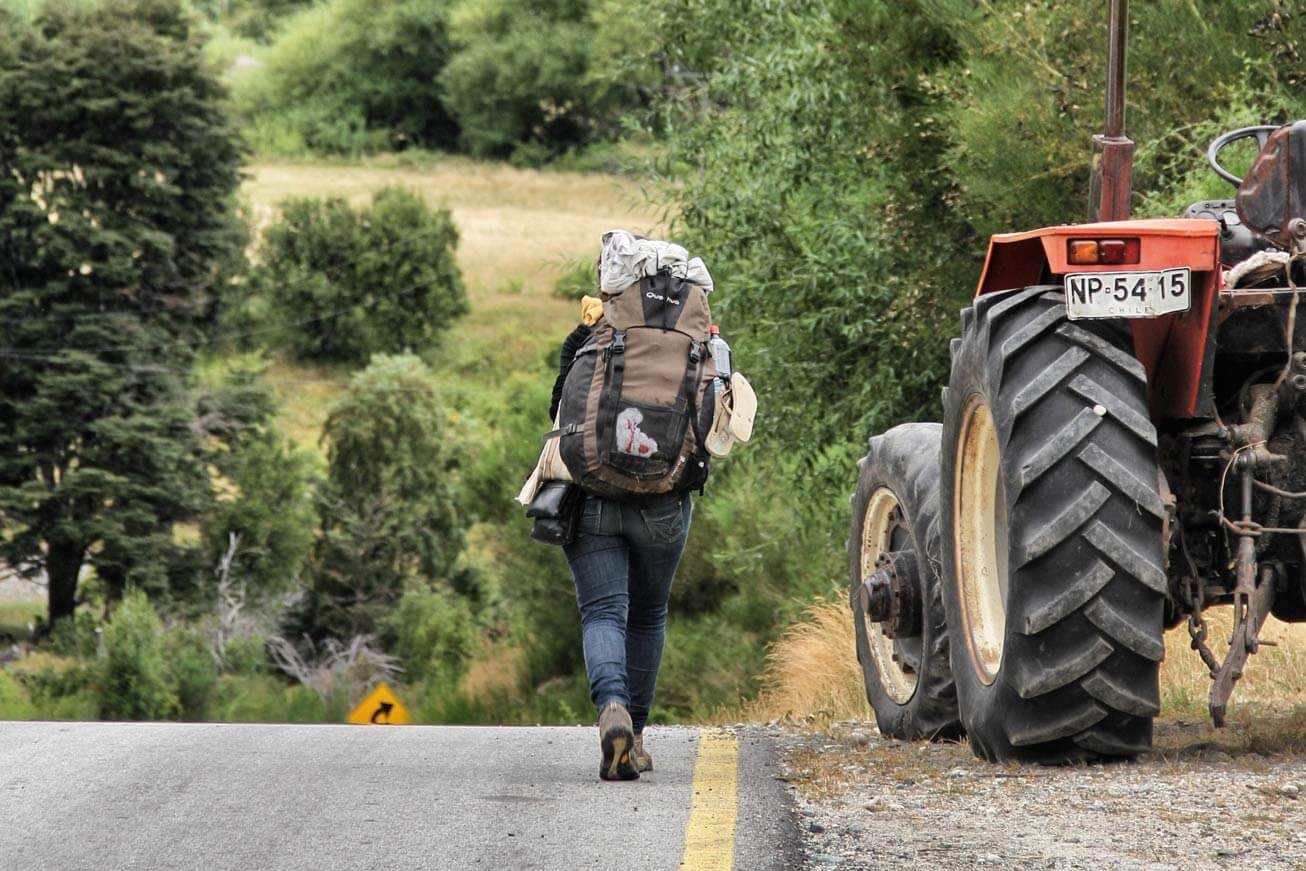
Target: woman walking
{"x": 623, "y": 562}
{"x": 640, "y": 384}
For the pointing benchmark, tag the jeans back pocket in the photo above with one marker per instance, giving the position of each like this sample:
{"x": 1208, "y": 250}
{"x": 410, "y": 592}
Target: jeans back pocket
{"x": 666, "y": 522}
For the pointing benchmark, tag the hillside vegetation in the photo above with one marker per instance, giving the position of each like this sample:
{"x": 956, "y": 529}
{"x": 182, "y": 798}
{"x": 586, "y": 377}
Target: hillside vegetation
{"x": 838, "y": 163}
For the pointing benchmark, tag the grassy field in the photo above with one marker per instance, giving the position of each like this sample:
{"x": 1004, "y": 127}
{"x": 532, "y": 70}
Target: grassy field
{"x": 18, "y": 615}
{"x": 520, "y": 229}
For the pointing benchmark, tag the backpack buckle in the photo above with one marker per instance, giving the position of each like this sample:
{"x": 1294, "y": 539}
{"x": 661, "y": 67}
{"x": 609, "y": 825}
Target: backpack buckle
{"x": 618, "y": 345}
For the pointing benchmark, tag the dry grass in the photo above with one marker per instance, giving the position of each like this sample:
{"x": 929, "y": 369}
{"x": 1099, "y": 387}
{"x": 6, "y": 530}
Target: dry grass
{"x": 1267, "y": 714}
{"x": 496, "y": 671}
{"x": 813, "y": 679}
{"x": 305, "y": 393}
{"x": 516, "y": 224}
{"x": 812, "y": 676}
{"x": 1274, "y": 675}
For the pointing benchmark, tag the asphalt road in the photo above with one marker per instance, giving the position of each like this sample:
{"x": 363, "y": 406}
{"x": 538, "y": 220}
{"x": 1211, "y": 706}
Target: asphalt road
{"x": 210, "y": 796}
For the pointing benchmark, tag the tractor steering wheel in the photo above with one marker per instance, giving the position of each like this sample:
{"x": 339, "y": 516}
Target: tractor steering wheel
{"x": 1261, "y": 132}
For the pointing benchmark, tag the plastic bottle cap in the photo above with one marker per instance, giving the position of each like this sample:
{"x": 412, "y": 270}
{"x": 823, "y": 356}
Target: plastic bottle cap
{"x": 714, "y": 330}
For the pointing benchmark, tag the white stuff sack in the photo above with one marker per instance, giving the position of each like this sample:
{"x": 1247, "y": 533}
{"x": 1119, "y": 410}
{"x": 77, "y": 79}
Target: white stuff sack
{"x": 624, "y": 260}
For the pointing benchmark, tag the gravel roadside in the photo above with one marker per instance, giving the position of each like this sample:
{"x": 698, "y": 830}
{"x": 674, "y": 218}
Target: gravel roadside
{"x": 864, "y": 802}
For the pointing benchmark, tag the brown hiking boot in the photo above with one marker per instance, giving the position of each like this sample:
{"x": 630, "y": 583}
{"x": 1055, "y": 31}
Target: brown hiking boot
{"x": 617, "y": 738}
{"x": 643, "y": 761}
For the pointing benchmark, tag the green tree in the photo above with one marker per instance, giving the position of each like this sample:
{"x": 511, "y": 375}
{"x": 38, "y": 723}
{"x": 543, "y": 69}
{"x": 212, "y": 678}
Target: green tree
{"x": 135, "y": 671}
{"x": 520, "y": 75}
{"x": 820, "y": 200}
{"x": 256, "y": 19}
{"x": 387, "y": 508}
{"x": 269, "y": 510}
{"x": 850, "y": 157}
{"x": 346, "y": 283}
{"x": 264, "y": 499}
{"x": 352, "y": 75}
{"x": 118, "y": 165}
{"x": 434, "y": 636}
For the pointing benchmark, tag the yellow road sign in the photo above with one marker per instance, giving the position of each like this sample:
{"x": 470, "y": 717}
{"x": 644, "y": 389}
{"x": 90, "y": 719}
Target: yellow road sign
{"x": 380, "y": 707}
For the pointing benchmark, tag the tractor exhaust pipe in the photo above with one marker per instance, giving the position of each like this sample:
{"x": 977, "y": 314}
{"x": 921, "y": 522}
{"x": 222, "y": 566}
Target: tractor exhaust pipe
{"x": 1113, "y": 151}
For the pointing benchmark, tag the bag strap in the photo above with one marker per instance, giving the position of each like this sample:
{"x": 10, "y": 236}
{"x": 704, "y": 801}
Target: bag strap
{"x": 693, "y": 372}
{"x": 614, "y": 359}
{"x": 569, "y": 429}
{"x": 615, "y": 356}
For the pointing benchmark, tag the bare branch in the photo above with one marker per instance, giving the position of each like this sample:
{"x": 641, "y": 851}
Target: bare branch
{"x": 231, "y": 599}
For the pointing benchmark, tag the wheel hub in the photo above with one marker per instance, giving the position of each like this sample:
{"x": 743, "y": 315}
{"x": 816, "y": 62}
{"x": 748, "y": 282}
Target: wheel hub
{"x": 894, "y": 659}
{"x": 891, "y": 595}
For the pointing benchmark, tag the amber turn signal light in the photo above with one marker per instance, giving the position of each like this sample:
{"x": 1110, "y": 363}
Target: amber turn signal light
{"x": 1094, "y": 252}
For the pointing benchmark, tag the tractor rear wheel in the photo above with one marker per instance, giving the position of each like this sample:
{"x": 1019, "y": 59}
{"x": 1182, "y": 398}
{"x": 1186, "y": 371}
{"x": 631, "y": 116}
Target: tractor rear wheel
{"x": 1054, "y": 574}
{"x": 902, "y": 642}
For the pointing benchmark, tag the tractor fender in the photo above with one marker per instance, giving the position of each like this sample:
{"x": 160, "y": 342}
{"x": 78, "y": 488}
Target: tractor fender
{"x": 1172, "y": 348}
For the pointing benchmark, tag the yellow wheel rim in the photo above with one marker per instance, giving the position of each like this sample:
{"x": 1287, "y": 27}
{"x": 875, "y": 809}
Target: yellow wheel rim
{"x": 979, "y": 518}
{"x": 898, "y": 680}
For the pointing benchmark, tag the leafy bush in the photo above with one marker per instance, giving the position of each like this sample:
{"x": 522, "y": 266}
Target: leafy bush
{"x": 387, "y": 508}
{"x": 434, "y": 636}
{"x": 15, "y": 704}
{"x": 135, "y": 668}
{"x": 270, "y": 511}
{"x": 519, "y": 77}
{"x": 582, "y": 279}
{"x": 255, "y": 19}
{"x": 191, "y": 671}
{"x": 245, "y": 655}
{"x": 707, "y": 664}
{"x": 349, "y": 76}
{"x": 75, "y": 637}
{"x": 265, "y": 699}
{"x": 1024, "y": 114}
{"x": 535, "y": 581}
{"x": 344, "y": 283}
{"x": 60, "y": 688}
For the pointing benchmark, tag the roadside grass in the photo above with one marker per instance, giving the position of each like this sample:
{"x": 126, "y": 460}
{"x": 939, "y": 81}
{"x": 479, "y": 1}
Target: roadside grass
{"x": 812, "y": 677}
{"x": 813, "y": 681}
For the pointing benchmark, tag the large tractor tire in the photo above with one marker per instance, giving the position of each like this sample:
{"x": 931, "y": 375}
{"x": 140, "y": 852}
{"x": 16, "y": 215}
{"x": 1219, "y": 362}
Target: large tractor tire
{"x": 1054, "y": 578}
{"x": 895, "y": 537}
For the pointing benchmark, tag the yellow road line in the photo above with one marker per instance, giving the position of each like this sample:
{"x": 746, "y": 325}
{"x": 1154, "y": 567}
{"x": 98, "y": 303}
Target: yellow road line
{"x": 710, "y": 834}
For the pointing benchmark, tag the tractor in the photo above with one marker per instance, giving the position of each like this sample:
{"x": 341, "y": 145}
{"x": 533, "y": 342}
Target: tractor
{"x": 1123, "y": 446}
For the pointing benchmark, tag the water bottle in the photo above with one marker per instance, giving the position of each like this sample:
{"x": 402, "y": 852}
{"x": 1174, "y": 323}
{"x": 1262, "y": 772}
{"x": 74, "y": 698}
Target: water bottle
{"x": 721, "y": 356}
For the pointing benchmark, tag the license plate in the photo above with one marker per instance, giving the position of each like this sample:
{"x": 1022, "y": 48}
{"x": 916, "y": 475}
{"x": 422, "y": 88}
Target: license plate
{"x": 1128, "y": 294}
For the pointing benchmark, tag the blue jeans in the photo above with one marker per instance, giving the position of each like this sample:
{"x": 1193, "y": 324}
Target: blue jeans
{"x": 623, "y": 562}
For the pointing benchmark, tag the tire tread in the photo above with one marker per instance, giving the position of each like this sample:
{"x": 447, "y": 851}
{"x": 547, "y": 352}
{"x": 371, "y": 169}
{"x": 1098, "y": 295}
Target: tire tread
{"x": 1079, "y": 671}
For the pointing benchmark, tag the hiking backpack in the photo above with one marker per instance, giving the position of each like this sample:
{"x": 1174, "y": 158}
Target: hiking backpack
{"x": 637, "y": 401}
